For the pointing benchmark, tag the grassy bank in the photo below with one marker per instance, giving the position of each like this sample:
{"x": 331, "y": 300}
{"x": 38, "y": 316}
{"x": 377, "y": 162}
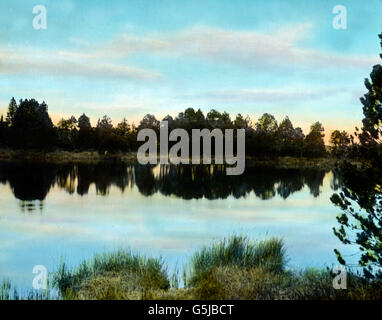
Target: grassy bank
{"x": 62, "y": 157}
{"x": 235, "y": 268}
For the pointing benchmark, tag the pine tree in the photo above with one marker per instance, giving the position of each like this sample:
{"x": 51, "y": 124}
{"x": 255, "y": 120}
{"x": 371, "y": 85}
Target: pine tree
{"x": 84, "y": 122}
{"x": 12, "y": 108}
{"x": 372, "y": 107}
{"x": 360, "y": 200}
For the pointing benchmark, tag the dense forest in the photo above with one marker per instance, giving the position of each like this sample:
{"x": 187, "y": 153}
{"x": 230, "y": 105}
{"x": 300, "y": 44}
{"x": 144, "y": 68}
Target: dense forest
{"x": 28, "y": 125}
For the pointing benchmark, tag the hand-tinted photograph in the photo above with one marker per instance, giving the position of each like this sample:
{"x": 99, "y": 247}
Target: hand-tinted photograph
{"x": 190, "y": 150}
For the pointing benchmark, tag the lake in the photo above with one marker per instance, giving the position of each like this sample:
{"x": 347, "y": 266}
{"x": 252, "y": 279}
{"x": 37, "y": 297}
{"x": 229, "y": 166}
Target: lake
{"x": 72, "y": 211}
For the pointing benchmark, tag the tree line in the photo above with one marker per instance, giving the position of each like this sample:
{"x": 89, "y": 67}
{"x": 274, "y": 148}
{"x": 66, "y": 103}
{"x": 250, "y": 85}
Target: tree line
{"x": 28, "y": 125}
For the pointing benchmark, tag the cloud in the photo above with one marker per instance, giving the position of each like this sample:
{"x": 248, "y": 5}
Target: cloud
{"x": 246, "y": 48}
{"x": 289, "y": 94}
{"x": 66, "y": 63}
{"x": 249, "y": 49}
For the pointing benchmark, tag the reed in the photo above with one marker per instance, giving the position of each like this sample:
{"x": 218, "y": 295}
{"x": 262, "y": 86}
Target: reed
{"x": 232, "y": 269}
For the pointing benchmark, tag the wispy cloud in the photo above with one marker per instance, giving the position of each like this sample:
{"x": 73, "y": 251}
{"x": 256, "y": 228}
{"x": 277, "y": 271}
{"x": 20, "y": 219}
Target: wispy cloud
{"x": 69, "y": 64}
{"x": 248, "y": 48}
{"x": 286, "y": 94}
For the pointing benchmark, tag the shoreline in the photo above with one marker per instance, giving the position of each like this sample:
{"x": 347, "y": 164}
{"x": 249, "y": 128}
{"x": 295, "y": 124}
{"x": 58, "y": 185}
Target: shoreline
{"x": 91, "y": 156}
{"x": 233, "y": 268}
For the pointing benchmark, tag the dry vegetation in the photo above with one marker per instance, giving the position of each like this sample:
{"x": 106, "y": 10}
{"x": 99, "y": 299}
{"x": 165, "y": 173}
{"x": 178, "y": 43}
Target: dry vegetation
{"x": 232, "y": 269}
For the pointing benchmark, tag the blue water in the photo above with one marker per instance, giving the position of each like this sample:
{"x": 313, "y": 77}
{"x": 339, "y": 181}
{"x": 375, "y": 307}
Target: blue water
{"x": 73, "y": 226}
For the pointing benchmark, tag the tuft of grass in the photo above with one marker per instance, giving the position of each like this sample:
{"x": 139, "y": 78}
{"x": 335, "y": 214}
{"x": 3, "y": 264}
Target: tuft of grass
{"x": 240, "y": 252}
{"x": 112, "y": 276}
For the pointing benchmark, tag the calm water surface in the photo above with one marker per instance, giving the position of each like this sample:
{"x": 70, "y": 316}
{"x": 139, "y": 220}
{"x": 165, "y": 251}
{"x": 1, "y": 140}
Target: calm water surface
{"x": 73, "y": 211}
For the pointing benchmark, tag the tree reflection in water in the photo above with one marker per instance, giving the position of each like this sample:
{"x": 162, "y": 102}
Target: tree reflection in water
{"x": 31, "y": 182}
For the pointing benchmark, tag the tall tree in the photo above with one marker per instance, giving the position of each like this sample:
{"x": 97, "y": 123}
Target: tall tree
{"x": 360, "y": 200}
{"x": 123, "y": 128}
{"x": 32, "y": 126}
{"x": 267, "y": 124}
{"x": 339, "y": 140}
{"x": 371, "y": 136}
{"x": 241, "y": 123}
{"x": 225, "y": 121}
{"x": 285, "y": 131}
{"x": 285, "y": 138}
{"x": 86, "y": 137}
{"x": 3, "y": 128}
{"x": 149, "y": 122}
{"x": 213, "y": 118}
{"x": 192, "y": 119}
{"x": 12, "y": 108}
{"x": 67, "y": 124}
{"x": 314, "y": 145}
{"x": 105, "y": 123}
{"x": 84, "y": 122}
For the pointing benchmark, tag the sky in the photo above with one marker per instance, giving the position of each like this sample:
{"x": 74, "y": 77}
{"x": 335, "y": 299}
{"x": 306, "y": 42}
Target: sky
{"x": 127, "y": 58}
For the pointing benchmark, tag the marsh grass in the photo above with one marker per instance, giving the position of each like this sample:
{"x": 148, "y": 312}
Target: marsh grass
{"x": 239, "y": 252}
{"x": 9, "y": 292}
{"x": 114, "y": 275}
{"x": 6, "y": 290}
{"x": 235, "y": 283}
{"x": 232, "y": 269}
{"x": 317, "y": 284}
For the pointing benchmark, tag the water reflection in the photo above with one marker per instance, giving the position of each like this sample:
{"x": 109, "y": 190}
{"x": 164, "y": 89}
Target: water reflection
{"x": 31, "y": 182}
{"x": 159, "y": 211}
